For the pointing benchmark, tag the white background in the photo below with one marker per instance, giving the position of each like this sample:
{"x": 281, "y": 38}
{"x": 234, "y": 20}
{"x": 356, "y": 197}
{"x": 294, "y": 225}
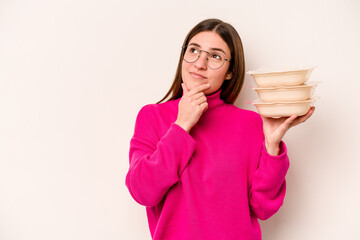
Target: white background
{"x": 74, "y": 74}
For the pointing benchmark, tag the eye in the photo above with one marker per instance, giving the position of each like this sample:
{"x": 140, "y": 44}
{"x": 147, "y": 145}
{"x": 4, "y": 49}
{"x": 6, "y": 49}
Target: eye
{"x": 193, "y": 50}
{"x": 216, "y": 56}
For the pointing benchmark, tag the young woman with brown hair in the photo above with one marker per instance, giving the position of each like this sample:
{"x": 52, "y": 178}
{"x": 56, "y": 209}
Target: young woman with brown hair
{"x": 204, "y": 168}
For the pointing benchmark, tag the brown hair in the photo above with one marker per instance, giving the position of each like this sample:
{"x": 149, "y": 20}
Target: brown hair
{"x": 230, "y": 89}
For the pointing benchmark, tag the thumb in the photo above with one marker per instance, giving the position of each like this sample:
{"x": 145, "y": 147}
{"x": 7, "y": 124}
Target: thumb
{"x": 287, "y": 123}
{"x": 185, "y": 90}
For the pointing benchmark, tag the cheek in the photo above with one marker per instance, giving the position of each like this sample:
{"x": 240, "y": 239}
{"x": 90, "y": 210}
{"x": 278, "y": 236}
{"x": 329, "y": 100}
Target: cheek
{"x": 219, "y": 76}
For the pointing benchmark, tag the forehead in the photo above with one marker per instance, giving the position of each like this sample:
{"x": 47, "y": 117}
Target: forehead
{"x": 209, "y": 40}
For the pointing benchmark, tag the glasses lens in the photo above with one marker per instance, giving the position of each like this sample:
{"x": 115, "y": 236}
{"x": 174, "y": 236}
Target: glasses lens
{"x": 191, "y": 54}
{"x": 215, "y": 60}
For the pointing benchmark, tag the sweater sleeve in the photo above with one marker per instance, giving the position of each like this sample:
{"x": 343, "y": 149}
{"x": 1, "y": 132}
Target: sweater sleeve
{"x": 268, "y": 184}
{"x": 156, "y": 163}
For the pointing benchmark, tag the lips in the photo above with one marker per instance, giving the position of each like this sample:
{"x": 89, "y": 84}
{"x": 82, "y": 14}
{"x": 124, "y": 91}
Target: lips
{"x": 197, "y": 75}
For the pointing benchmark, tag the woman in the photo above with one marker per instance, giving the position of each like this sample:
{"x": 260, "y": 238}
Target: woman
{"x": 204, "y": 168}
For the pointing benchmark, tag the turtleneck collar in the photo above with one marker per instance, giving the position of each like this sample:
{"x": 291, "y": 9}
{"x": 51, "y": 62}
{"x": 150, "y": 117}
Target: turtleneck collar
{"x": 214, "y": 99}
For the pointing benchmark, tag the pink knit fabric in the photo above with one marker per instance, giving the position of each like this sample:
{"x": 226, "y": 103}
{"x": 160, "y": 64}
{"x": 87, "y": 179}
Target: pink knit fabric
{"x": 212, "y": 183}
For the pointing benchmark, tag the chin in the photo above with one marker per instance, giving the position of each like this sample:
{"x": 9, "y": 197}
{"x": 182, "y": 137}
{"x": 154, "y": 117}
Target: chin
{"x": 209, "y": 91}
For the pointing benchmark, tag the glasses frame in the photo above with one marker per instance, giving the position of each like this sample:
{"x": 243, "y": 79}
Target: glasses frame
{"x": 207, "y": 57}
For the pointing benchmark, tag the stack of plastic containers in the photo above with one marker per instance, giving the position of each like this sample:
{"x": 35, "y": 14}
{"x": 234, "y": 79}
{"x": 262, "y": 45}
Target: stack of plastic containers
{"x": 284, "y": 93}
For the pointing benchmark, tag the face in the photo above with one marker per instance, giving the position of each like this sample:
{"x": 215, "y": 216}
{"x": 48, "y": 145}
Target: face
{"x": 197, "y": 73}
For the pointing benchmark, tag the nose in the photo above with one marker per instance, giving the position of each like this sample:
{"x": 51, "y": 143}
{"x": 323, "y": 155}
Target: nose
{"x": 201, "y": 63}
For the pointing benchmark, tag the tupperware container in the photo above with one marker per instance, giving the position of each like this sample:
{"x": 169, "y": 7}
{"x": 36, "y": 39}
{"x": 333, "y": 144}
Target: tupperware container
{"x": 287, "y": 93}
{"x": 283, "y": 109}
{"x": 286, "y": 77}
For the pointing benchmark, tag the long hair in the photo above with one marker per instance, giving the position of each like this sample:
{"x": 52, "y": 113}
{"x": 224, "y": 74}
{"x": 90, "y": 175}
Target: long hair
{"x": 230, "y": 89}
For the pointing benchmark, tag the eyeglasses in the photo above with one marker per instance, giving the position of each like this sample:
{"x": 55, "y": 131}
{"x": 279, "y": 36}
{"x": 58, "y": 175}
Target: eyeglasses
{"x": 214, "y": 60}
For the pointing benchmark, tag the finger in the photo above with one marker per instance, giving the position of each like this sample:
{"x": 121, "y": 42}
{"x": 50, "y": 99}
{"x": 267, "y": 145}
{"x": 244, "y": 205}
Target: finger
{"x": 197, "y": 96}
{"x": 185, "y": 90}
{"x": 308, "y": 114}
{"x": 200, "y": 100}
{"x": 290, "y": 119}
{"x": 304, "y": 117}
{"x": 204, "y": 106}
{"x": 287, "y": 123}
{"x": 199, "y": 88}
{"x": 311, "y": 111}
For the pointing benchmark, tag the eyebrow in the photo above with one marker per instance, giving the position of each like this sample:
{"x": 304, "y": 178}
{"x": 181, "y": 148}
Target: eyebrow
{"x": 213, "y": 49}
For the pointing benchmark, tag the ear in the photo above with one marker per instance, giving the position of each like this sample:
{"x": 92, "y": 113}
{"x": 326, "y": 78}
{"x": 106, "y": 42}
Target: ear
{"x": 228, "y": 76}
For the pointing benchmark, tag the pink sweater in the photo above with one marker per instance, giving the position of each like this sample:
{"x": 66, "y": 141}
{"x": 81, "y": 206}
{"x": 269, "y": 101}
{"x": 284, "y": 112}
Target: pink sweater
{"x": 213, "y": 183}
